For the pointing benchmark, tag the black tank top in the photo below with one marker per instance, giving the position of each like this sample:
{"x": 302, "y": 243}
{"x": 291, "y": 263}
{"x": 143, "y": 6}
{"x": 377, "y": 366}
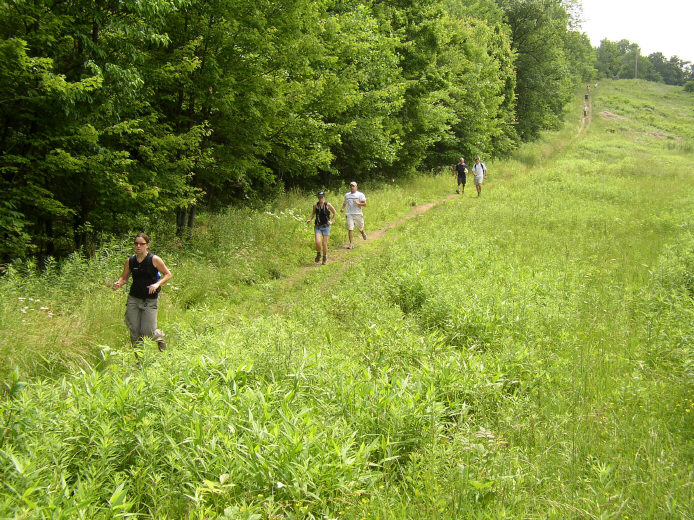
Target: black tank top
{"x": 144, "y": 273}
{"x": 322, "y": 215}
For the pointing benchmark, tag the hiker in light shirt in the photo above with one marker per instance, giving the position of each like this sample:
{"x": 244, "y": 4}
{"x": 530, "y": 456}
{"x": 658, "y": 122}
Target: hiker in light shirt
{"x": 354, "y": 201}
{"x": 480, "y": 171}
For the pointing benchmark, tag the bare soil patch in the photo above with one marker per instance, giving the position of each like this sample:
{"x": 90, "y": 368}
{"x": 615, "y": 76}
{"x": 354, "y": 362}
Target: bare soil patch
{"x": 611, "y": 115}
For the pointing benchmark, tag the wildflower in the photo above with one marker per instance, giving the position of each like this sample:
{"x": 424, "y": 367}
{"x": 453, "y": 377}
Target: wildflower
{"x": 280, "y": 485}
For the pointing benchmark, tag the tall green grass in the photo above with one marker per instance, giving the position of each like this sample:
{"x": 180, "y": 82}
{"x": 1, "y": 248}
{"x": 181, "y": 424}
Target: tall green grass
{"x": 527, "y": 354}
{"x": 58, "y": 317}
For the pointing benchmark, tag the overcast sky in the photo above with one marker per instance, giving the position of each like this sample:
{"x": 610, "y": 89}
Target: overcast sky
{"x": 665, "y": 26}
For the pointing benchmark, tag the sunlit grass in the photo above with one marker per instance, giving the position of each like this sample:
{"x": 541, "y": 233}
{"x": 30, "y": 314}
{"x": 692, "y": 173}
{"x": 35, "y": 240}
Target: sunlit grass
{"x": 527, "y": 354}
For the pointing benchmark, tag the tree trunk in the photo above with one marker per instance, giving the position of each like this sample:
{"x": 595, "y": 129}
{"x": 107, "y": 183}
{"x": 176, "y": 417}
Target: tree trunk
{"x": 180, "y": 220}
{"x": 50, "y": 246}
{"x": 191, "y": 217}
{"x": 185, "y": 219}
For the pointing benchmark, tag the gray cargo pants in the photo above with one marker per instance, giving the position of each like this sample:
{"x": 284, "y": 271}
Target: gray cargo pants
{"x": 141, "y": 319}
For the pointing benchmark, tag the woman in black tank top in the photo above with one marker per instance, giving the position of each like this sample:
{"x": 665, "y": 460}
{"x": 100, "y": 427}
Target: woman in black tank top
{"x": 149, "y": 273}
{"x": 325, "y": 216}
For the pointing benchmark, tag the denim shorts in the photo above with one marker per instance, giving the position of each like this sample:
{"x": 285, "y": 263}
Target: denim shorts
{"x": 322, "y": 230}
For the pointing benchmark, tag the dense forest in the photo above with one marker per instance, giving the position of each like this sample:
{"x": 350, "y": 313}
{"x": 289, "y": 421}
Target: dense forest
{"x": 118, "y": 113}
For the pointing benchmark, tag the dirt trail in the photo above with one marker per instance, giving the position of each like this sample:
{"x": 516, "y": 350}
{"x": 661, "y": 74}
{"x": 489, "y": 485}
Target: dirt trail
{"x": 415, "y": 212}
{"x": 586, "y": 120}
{"x": 346, "y": 257}
{"x": 341, "y": 253}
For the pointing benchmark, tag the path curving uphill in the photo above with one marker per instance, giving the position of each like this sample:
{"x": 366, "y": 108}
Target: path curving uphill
{"x": 586, "y": 120}
{"x": 344, "y": 255}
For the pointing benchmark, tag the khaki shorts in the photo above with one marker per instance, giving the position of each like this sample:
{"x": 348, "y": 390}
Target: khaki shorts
{"x": 352, "y": 220}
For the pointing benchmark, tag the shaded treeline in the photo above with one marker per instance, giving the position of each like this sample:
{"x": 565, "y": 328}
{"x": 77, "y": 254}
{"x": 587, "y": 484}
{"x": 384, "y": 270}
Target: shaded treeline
{"x": 118, "y": 112}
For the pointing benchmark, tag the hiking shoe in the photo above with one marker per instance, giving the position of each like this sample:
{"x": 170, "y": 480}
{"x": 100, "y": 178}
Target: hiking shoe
{"x": 457, "y": 191}
{"x": 159, "y": 339}
{"x": 350, "y": 246}
{"x": 363, "y": 235}
{"x": 325, "y": 260}
{"x": 318, "y": 256}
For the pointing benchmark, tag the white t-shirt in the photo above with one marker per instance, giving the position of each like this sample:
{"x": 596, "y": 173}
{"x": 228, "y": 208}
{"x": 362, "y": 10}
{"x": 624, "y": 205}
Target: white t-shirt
{"x": 478, "y": 168}
{"x": 352, "y": 208}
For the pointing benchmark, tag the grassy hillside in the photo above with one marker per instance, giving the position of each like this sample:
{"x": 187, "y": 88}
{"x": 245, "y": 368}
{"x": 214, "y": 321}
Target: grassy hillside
{"x": 527, "y": 354}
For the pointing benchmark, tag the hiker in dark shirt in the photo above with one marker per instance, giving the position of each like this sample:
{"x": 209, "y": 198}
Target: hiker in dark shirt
{"x": 149, "y": 273}
{"x": 325, "y": 215}
{"x": 461, "y": 170}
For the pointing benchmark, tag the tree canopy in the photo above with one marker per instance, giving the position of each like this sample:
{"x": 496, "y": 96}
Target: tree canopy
{"x": 116, "y": 113}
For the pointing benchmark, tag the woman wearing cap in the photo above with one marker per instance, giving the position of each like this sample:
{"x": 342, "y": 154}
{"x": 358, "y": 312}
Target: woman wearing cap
{"x": 142, "y": 305}
{"x": 322, "y": 211}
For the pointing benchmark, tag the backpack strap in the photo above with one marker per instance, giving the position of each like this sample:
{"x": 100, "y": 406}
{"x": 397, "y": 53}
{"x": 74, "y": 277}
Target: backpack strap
{"x": 154, "y": 272}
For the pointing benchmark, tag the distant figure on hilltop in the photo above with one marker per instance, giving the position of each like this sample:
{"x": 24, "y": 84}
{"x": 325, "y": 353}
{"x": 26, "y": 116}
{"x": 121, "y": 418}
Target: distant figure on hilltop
{"x": 149, "y": 273}
{"x": 480, "y": 171}
{"x": 354, "y": 201}
{"x": 322, "y": 210}
{"x": 461, "y": 172}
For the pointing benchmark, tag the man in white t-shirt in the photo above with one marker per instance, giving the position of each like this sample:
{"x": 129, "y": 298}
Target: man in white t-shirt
{"x": 354, "y": 201}
{"x": 480, "y": 171}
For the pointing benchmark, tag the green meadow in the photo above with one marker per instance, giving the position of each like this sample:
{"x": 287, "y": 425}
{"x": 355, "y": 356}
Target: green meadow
{"x": 525, "y": 354}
